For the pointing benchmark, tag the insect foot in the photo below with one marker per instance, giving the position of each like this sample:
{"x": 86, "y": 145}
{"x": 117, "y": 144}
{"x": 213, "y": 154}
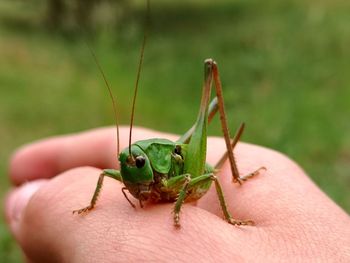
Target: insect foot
{"x": 177, "y": 220}
{"x": 241, "y": 222}
{"x": 83, "y": 210}
{"x": 244, "y": 178}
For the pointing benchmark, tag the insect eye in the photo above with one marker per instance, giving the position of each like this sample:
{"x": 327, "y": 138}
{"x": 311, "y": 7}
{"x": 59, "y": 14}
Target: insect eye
{"x": 177, "y": 149}
{"x": 140, "y": 161}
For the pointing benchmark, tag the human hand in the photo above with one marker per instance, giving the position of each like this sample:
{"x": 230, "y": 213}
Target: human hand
{"x": 295, "y": 221}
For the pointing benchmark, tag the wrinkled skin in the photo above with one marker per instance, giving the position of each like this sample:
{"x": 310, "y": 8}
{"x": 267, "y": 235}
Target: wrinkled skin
{"x": 295, "y": 221}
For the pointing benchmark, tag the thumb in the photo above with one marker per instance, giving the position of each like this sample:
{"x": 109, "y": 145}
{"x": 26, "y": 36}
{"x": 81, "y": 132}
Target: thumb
{"x": 16, "y": 202}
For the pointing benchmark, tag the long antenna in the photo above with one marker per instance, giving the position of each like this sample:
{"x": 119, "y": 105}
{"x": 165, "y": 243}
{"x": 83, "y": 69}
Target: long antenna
{"x": 139, "y": 73}
{"x": 110, "y": 94}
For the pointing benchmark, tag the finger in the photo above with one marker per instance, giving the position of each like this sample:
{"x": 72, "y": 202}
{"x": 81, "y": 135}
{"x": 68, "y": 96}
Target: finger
{"x": 46, "y": 158}
{"x": 115, "y": 232}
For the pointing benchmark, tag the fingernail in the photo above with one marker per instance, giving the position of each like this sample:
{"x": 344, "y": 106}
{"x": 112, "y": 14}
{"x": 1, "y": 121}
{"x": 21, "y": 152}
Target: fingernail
{"x": 18, "y": 199}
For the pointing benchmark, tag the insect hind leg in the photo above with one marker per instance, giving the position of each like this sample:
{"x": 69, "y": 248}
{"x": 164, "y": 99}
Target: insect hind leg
{"x": 229, "y": 145}
{"x": 205, "y": 180}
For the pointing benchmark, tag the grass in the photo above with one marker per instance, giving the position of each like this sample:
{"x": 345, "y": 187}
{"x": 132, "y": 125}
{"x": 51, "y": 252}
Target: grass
{"x": 284, "y": 67}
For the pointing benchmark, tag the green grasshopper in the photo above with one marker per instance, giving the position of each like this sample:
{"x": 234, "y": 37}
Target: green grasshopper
{"x": 159, "y": 170}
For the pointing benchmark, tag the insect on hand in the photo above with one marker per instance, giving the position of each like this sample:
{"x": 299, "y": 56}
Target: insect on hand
{"x": 159, "y": 170}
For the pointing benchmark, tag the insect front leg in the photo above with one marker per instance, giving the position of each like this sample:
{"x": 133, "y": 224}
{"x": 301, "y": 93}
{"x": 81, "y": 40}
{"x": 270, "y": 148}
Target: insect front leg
{"x": 115, "y": 174}
{"x": 180, "y": 200}
{"x": 177, "y": 184}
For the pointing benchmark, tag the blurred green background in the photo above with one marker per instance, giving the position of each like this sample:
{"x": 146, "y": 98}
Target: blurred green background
{"x": 285, "y": 68}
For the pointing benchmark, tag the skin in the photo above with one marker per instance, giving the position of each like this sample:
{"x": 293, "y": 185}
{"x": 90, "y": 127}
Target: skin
{"x": 295, "y": 220}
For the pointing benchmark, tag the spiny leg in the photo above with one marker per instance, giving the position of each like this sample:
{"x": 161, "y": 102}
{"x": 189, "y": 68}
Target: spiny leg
{"x": 252, "y": 174}
{"x": 185, "y": 180}
{"x": 234, "y": 141}
{"x": 115, "y": 174}
{"x": 204, "y": 179}
{"x": 223, "y": 204}
{"x": 197, "y": 147}
{"x": 229, "y": 145}
{"x": 177, "y": 184}
{"x": 216, "y": 105}
{"x": 224, "y": 126}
